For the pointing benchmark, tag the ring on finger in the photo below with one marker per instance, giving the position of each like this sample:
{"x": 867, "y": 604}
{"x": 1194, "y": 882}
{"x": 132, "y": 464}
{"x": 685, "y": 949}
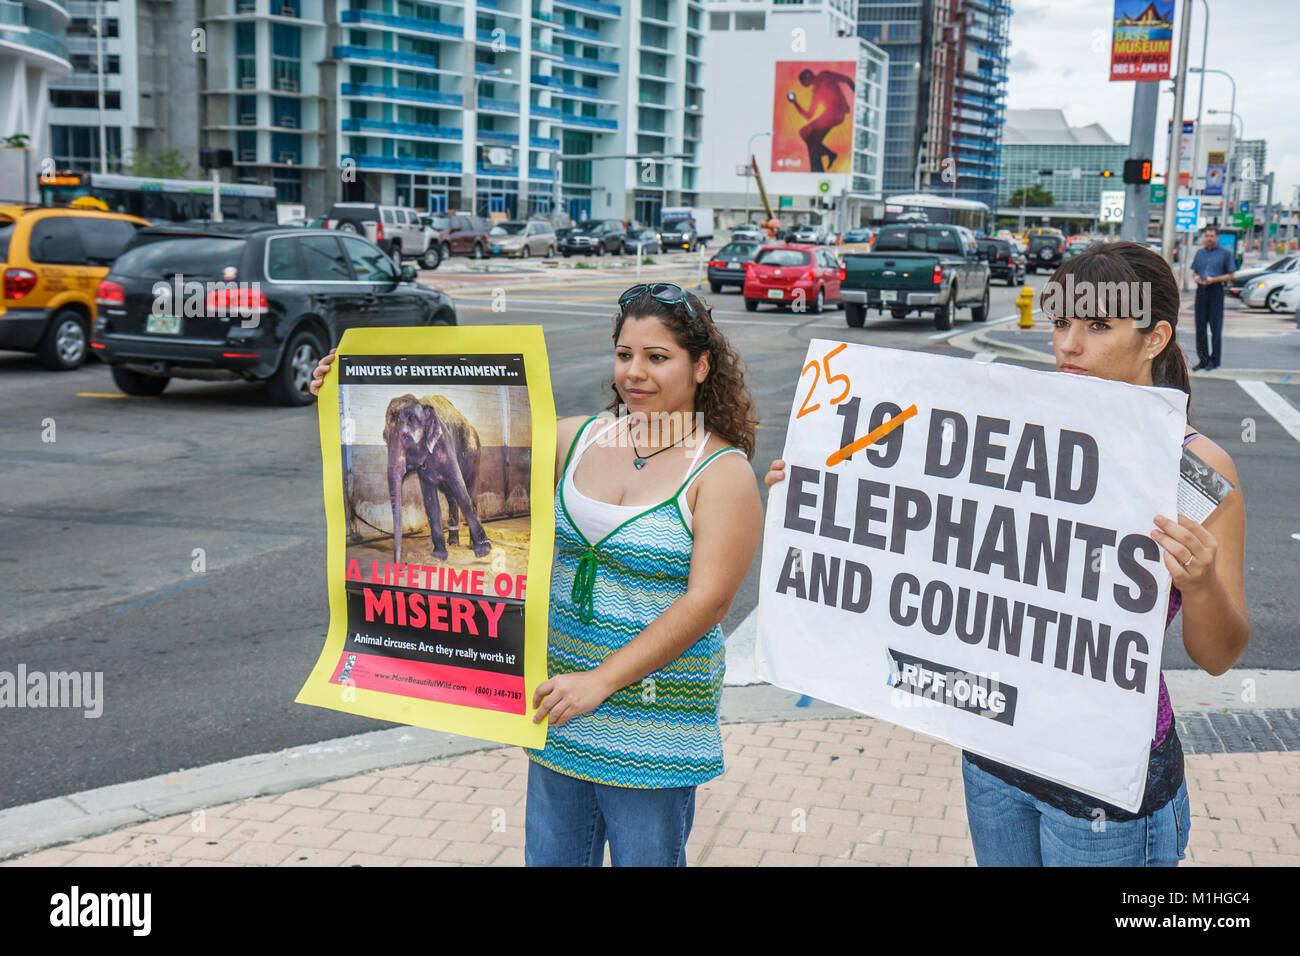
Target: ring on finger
{"x": 1189, "y": 560}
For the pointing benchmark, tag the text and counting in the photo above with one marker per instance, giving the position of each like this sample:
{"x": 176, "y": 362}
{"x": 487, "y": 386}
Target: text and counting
{"x": 963, "y": 549}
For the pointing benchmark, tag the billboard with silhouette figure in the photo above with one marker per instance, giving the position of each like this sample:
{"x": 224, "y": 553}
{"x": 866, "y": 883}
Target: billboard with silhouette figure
{"x": 812, "y": 116}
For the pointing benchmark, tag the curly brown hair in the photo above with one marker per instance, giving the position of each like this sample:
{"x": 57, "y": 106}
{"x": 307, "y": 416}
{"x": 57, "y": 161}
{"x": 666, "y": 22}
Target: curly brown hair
{"x": 723, "y": 397}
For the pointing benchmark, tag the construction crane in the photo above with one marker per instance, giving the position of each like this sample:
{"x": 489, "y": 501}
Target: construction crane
{"x": 762, "y": 193}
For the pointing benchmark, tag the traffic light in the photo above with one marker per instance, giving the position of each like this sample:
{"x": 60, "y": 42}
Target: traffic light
{"x": 1106, "y": 174}
{"x": 1137, "y": 172}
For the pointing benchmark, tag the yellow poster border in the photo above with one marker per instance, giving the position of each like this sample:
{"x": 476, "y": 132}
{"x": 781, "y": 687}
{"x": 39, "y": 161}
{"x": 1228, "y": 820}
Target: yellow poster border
{"x": 318, "y": 691}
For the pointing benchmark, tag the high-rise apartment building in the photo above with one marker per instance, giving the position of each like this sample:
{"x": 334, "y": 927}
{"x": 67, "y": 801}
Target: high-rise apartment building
{"x": 509, "y": 107}
{"x": 33, "y": 53}
{"x": 947, "y": 93}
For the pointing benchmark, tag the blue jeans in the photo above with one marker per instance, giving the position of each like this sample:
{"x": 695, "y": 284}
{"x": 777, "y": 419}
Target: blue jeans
{"x": 1010, "y": 828}
{"x": 567, "y": 821}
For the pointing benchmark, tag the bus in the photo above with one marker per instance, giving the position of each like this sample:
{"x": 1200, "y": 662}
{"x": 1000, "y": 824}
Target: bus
{"x": 159, "y": 200}
{"x": 932, "y": 208}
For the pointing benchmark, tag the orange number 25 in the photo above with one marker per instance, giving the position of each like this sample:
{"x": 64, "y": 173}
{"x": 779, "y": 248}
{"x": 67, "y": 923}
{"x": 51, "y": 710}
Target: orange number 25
{"x": 817, "y": 368}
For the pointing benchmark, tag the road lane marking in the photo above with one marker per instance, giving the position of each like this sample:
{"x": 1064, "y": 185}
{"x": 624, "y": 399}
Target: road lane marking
{"x": 110, "y": 395}
{"x": 1276, "y": 405}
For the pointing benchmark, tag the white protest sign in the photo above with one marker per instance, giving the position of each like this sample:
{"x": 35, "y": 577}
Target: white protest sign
{"x": 984, "y": 573}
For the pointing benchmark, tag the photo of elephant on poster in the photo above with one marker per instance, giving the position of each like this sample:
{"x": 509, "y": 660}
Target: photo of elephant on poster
{"x": 430, "y": 437}
{"x": 421, "y": 461}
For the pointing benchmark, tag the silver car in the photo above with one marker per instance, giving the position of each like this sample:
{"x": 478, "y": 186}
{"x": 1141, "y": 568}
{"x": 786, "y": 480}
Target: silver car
{"x": 1269, "y": 290}
{"x": 515, "y": 237}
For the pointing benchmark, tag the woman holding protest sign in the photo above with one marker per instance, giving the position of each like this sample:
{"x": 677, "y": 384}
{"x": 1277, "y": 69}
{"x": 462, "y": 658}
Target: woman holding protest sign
{"x": 1016, "y": 818}
{"x": 658, "y": 519}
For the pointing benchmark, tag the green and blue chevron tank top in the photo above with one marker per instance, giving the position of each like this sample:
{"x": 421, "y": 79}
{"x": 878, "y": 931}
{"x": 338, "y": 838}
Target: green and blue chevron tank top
{"x": 661, "y": 731}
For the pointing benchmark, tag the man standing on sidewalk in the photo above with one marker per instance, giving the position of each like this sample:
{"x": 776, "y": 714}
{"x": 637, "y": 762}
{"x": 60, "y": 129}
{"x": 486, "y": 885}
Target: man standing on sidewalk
{"x": 1212, "y": 267}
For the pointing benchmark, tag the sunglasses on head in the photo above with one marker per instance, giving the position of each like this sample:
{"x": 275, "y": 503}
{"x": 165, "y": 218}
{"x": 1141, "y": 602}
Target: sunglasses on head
{"x": 668, "y": 293}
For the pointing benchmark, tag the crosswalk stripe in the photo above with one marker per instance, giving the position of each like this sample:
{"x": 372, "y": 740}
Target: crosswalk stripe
{"x": 1283, "y": 411}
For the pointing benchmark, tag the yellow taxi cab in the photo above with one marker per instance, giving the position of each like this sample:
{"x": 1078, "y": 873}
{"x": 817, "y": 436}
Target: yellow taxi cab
{"x": 51, "y": 261}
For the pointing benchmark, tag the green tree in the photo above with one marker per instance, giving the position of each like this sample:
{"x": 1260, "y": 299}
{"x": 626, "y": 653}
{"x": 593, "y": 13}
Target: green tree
{"x": 1034, "y": 195}
{"x": 168, "y": 165}
{"x": 17, "y": 141}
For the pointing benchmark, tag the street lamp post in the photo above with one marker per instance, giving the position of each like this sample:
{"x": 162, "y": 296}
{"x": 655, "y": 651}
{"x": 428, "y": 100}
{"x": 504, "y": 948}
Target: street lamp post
{"x": 1231, "y": 109}
{"x": 99, "y": 79}
{"x": 749, "y": 155}
{"x": 471, "y": 177}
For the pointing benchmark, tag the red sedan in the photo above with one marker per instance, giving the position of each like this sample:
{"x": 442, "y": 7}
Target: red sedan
{"x": 791, "y": 273}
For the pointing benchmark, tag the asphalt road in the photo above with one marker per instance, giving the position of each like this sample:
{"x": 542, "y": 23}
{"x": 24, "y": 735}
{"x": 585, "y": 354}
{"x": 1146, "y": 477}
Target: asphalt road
{"x": 103, "y": 526}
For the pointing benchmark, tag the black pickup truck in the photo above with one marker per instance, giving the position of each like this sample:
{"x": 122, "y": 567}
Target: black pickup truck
{"x": 917, "y": 268}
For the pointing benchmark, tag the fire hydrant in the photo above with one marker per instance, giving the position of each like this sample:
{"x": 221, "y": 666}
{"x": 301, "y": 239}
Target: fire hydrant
{"x": 1025, "y": 303}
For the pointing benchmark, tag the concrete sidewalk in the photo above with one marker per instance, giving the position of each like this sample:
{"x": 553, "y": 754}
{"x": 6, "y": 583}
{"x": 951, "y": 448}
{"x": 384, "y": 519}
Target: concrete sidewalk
{"x": 818, "y": 792}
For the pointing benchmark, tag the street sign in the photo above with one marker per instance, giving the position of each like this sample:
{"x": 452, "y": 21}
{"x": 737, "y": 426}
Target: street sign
{"x": 1187, "y": 209}
{"x": 1243, "y": 220}
{"x": 784, "y": 202}
{"x": 1244, "y": 206}
{"x": 1112, "y": 206}
{"x": 1157, "y": 197}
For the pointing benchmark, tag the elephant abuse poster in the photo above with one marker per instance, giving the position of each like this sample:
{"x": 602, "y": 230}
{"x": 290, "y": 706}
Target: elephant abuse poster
{"x": 437, "y": 445}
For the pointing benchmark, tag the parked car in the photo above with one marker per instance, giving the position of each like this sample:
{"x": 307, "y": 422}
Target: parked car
{"x": 679, "y": 233}
{"x": 813, "y": 235}
{"x": 1269, "y": 290}
{"x": 459, "y": 234}
{"x": 317, "y": 223}
{"x": 727, "y": 267}
{"x": 398, "y": 230}
{"x": 51, "y": 261}
{"x": 644, "y": 241}
{"x": 1241, "y": 279}
{"x": 275, "y": 299}
{"x": 515, "y": 237}
{"x": 786, "y": 274}
{"x": 917, "y": 267}
{"x": 1154, "y": 246}
{"x": 595, "y": 237}
{"x": 1046, "y": 250}
{"x": 748, "y": 234}
{"x": 1004, "y": 259}
{"x": 858, "y": 240}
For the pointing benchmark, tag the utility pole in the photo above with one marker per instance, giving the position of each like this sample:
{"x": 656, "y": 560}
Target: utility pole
{"x": 1175, "y": 137}
{"x": 1141, "y": 145}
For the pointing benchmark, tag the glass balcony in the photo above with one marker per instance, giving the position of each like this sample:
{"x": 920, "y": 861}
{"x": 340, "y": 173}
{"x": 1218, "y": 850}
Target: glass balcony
{"x": 486, "y": 37}
{"x": 569, "y": 119}
{"x": 414, "y": 24}
{"x": 592, "y": 7}
{"x": 400, "y": 164}
{"x": 536, "y": 172}
{"x": 583, "y": 92}
{"x": 500, "y": 106}
{"x": 592, "y": 66}
{"x": 498, "y": 137}
{"x": 542, "y": 142}
{"x": 402, "y": 93}
{"x": 423, "y": 130}
{"x": 419, "y": 60}
{"x": 36, "y": 40}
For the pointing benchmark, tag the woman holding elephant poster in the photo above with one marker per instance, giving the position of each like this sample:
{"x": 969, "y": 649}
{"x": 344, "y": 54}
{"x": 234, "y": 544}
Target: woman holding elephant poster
{"x": 657, "y": 520}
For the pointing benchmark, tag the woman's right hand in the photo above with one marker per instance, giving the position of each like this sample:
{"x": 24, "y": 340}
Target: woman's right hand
{"x": 777, "y": 473}
{"x": 318, "y": 376}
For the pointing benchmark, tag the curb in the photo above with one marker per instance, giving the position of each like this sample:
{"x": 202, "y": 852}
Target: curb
{"x": 58, "y": 820}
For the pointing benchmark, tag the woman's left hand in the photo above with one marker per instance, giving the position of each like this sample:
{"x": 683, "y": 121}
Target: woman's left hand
{"x": 1190, "y": 551}
{"x": 568, "y": 696}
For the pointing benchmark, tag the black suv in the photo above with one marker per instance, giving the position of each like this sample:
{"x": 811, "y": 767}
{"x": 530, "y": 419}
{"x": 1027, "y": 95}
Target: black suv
{"x": 1004, "y": 260}
{"x": 247, "y": 301}
{"x": 1045, "y": 250}
{"x": 595, "y": 237}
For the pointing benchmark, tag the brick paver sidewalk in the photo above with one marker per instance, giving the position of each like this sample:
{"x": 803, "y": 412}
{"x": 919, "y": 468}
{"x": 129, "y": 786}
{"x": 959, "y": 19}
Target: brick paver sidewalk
{"x": 851, "y": 791}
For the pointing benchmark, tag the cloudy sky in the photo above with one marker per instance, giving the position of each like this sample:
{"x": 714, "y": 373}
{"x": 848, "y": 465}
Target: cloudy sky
{"x": 1060, "y": 58}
